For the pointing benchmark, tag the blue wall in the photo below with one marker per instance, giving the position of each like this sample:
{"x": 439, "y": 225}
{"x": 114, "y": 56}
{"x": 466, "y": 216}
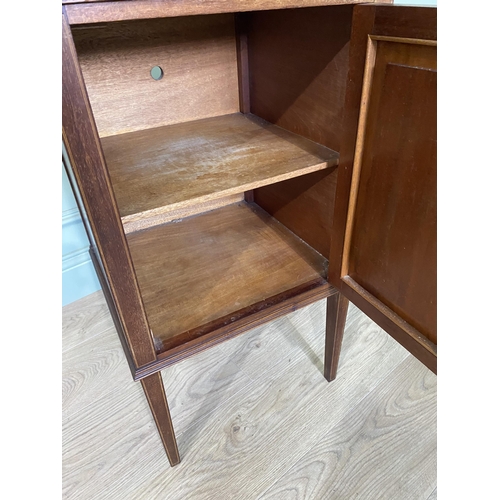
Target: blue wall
{"x": 78, "y": 274}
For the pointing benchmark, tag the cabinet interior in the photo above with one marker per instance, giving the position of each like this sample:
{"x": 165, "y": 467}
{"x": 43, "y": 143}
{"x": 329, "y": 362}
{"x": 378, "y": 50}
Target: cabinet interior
{"x": 224, "y": 170}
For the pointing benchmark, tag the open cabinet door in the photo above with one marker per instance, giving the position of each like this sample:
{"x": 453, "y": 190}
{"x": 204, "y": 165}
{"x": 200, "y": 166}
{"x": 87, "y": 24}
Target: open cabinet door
{"x": 383, "y": 253}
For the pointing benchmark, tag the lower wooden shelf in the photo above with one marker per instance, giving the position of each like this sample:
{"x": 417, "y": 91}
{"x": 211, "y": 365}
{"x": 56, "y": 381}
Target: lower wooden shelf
{"x": 203, "y": 273}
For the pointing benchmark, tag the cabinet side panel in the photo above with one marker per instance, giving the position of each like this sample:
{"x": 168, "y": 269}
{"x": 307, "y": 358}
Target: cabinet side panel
{"x": 198, "y": 59}
{"x": 87, "y": 161}
{"x": 298, "y": 62}
{"x": 304, "y": 205}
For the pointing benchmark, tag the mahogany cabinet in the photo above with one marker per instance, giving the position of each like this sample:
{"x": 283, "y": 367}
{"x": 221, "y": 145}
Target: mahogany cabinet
{"x": 235, "y": 161}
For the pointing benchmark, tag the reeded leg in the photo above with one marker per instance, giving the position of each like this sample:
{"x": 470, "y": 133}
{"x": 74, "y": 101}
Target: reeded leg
{"x": 155, "y": 393}
{"x": 336, "y": 314}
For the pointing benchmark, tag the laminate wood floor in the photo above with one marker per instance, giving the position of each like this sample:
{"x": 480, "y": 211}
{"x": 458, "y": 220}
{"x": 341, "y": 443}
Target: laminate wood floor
{"x": 254, "y": 417}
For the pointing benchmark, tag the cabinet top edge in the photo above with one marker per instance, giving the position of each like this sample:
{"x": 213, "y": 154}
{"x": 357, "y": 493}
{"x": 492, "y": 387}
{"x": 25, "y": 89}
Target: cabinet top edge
{"x": 99, "y": 11}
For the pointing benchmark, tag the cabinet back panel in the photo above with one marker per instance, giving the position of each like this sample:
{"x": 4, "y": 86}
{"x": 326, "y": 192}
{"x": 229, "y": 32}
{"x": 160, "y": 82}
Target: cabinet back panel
{"x": 198, "y": 58}
{"x": 298, "y": 61}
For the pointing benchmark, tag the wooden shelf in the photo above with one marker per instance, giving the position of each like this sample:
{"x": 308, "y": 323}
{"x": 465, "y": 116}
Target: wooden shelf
{"x": 209, "y": 270}
{"x": 159, "y": 170}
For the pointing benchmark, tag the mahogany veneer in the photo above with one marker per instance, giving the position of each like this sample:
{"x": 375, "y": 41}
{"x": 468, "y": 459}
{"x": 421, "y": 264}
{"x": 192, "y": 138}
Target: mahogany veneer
{"x": 162, "y": 169}
{"x": 212, "y": 265}
{"x": 287, "y": 155}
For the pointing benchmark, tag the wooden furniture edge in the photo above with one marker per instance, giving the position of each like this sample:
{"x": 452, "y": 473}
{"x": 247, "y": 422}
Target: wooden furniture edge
{"x": 365, "y": 19}
{"x": 311, "y": 292}
{"x": 154, "y": 391}
{"x": 409, "y": 337}
{"x": 162, "y": 212}
{"x": 98, "y": 12}
{"x": 89, "y": 169}
{"x": 336, "y": 314}
{"x": 112, "y": 309}
{"x": 180, "y": 213}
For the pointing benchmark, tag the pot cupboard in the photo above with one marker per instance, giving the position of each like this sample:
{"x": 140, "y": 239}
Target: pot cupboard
{"x": 237, "y": 160}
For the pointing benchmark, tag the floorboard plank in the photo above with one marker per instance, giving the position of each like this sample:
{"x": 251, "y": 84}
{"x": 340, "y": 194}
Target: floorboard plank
{"x": 84, "y": 318}
{"x": 378, "y": 450}
{"x": 93, "y": 369}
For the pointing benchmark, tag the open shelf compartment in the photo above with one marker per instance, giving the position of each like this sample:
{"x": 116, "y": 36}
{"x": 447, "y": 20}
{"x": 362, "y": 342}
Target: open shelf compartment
{"x": 207, "y": 271}
{"x": 156, "y": 171}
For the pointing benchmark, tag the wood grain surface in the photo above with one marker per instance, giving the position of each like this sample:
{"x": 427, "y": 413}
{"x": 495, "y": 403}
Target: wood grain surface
{"x": 90, "y": 12}
{"x": 384, "y": 236}
{"x": 372, "y": 434}
{"x": 400, "y": 268}
{"x": 298, "y": 61}
{"x": 222, "y": 329}
{"x": 304, "y": 205}
{"x": 336, "y": 314}
{"x": 103, "y": 281}
{"x": 161, "y": 169}
{"x": 252, "y": 412}
{"x": 101, "y": 216}
{"x": 155, "y": 394}
{"x": 170, "y": 215}
{"x": 214, "y": 264}
{"x": 198, "y": 58}
{"x": 84, "y": 319}
{"x": 83, "y": 380}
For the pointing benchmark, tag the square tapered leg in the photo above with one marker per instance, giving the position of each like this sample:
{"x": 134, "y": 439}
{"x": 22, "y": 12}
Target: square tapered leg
{"x": 155, "y": 394}
{"x": 336, "y": 314}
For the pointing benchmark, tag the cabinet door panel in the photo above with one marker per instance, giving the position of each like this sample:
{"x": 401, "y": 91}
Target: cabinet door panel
{"x": 384, "y": 250}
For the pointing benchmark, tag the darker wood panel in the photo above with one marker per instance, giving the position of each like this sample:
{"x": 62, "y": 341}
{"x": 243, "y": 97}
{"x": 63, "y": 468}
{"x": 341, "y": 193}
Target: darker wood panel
{"x": 362, "y": 24}
{"x": 87, "y": 161}
{"x": 298, "y": 62}
{"x": 336, "y": 315}
{"x": 402, "y": 21}
{"x": 112, "y": 308}
{"x": 268, "y": 310}
{"x": 155, "y": 394}
{"x": 370, "y": 20}
{"x": 393, "y": 251}
{"x": 240, "y": 23}
{"x": 198, "y": 58}
{"x": 304, "y": 205}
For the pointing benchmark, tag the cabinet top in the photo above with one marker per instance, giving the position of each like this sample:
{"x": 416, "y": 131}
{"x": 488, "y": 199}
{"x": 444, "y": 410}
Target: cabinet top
{"x": 97, "y": 11}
